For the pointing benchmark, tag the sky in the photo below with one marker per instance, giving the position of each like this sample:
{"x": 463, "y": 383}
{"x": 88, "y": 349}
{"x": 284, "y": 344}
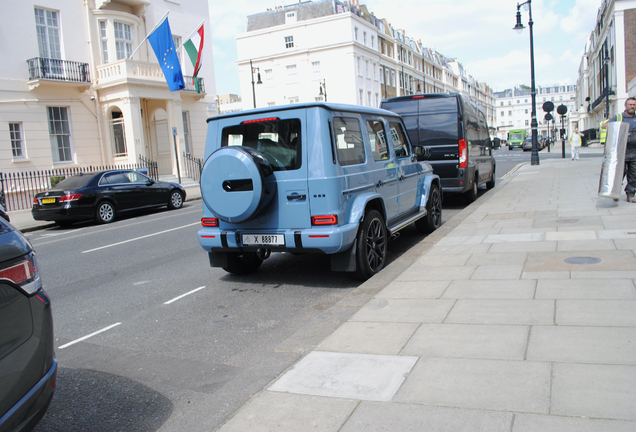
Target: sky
{"x": 478, "y": 33}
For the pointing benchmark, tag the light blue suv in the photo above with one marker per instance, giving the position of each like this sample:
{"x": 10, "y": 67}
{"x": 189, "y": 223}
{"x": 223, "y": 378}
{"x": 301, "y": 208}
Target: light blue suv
{"x": 312, "y": 178}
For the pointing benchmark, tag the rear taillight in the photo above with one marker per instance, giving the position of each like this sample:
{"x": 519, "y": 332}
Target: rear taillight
{"x": 209, "y": 222}
{"x": 463, "y": 153}
{"x": 35, "y": 201}
{"x": 324, "y": 220}
{"x": 70, "y": 197}
{"x": 23, "y": 273}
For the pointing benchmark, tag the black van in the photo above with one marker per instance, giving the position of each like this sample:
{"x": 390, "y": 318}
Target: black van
{"x": 455, "y": 133}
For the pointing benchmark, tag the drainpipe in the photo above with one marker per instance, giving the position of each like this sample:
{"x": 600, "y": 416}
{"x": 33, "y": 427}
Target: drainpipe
{"x": 95, "y": 95}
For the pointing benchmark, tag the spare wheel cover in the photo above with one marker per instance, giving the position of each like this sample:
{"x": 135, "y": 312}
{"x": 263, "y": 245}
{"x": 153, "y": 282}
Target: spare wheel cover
{"x": 233, "y": 183}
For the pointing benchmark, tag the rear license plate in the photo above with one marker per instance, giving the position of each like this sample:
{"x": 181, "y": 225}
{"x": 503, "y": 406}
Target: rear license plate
{"x": 264, "y": 239}
{"x": 48, "y": 200}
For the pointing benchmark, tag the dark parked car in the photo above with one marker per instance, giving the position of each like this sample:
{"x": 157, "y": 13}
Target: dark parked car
{"x": 454, "y": 133}
{"x": 103, "y": 195}
{"x": 28, "y": 368}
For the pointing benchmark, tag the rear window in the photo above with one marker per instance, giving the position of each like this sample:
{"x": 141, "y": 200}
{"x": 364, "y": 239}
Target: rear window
{"x": 74, "y": 182}
{"x": 404, "y": 107}
{"x": 278, "y": 140}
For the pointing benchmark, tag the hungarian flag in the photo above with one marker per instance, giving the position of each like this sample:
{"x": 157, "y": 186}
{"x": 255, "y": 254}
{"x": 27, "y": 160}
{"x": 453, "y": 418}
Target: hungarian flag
{"x": 194, "y": 48}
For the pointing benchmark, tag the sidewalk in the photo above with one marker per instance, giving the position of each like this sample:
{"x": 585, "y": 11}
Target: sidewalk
{"x": 516, "y": 315}
{"x": 22, "y": 219}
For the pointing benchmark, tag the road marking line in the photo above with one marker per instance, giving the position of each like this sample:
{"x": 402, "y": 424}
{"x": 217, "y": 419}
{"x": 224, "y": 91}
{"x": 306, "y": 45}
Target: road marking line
{"x": 140, "y": 238}
{"x": 89, "y": 336}
{"x": 183, "y": 295}
{"x": 514, "y": 169}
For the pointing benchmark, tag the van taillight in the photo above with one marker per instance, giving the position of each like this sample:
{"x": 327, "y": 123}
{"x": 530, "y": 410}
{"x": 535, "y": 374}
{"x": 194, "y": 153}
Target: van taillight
{"x": 463, "y": 153}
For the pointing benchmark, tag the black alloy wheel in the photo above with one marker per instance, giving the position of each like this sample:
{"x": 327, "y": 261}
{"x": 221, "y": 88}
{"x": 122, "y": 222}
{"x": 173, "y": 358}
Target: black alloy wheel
{"x": 433, "y": 218}
{"x": 371, "y": 246}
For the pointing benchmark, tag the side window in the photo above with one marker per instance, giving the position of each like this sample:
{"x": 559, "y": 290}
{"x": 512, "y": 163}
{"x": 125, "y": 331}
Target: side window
{"x": 136, "y": 177}
{"x": 349, "y": 143}
{"x": 114, "y": 178}
{"x": 377, "y": 139}
{"x": 400, "y": 143}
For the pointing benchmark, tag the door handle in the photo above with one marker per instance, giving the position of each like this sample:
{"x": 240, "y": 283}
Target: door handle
{"x": 379, "y": 183}
{"x": 296, "y": 197}
{"x": 401, "y": 178}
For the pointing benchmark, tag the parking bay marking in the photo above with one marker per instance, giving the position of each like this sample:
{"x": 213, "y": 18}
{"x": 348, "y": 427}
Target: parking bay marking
{"x": 183, "y": 295}
{"x": 89, "y": 336}
{"x": 140, "y": 238}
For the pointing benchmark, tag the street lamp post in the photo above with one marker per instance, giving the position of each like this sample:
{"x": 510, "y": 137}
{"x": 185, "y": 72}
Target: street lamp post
{"x": 258, "y": 81}
{"x": 533, "y": 123}
{"x": 323, "y": 89}
{"x": 606, "y": 61}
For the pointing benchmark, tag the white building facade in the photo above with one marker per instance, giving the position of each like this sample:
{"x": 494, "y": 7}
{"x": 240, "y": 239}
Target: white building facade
{"x": 607, "y": 73}
{"x": 338, "y": 52}
{"x": 70, "y": 97}
{"x": 513, "y": 109}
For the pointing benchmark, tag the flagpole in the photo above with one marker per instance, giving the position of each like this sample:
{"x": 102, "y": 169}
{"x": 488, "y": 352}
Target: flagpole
{"x": 195, "y": 30}
{"x": 153, "y": 29}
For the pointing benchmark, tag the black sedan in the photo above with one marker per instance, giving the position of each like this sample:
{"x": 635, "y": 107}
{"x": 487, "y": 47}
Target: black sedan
{"x": 103, "y": 195}
{"x": 28, "y": 368}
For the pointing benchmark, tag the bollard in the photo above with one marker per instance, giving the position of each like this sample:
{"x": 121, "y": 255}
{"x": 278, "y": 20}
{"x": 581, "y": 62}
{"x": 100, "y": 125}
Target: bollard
{"x": 611, "y": 180}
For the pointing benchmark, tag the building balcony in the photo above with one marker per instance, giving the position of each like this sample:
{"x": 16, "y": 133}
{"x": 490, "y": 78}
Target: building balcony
{"x": 125, "y": 72}
{"x": 601, "y": 98}
{"x": 57, "y": 71}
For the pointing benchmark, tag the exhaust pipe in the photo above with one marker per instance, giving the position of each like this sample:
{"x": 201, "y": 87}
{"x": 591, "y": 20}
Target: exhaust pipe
{"x": 263, "y": 254}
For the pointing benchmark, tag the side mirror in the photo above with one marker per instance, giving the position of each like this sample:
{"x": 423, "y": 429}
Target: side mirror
{"x": 421, "y": 153}
{"x": 150, "y": 182}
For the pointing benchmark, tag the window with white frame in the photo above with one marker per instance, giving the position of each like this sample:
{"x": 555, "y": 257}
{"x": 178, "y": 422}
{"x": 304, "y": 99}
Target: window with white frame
{"x": 177, "y": 44}
{"x": 372, "y": 41}
{"x": 361, "y": 100}
{"x": 355, "y": 33}
{"x": 60, "y": 134}
{"x": 47, "y": 24}
{"x": 381, "y": 75}
{"x": 368, "y": 98}
{"x": 289, "y": 41}
{"x": 294, "y": 99}
{"x": 291, "y": 70}
{"x": 366, "y": 68}
{"x": 123, "y": 40}
{"x": 268, "y": 75}
{"x": 388, "y": 81}
{"x": 392, "y": 78}
{"x": 315, "y": 67}
{"x": 359, "y": 67}
{"x": 364, "y": 38}
{"x": 103, "y": 36}
{"x": 118, "y": 133}
{"x": 290, "y": 17}
{"x": 186, "y": 131}
{"x": 17, "y": 142}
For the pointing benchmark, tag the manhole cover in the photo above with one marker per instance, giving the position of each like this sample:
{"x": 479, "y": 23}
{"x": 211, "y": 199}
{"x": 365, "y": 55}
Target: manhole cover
{"x": 582, "y": 260}
{"x": 567, "y": 221}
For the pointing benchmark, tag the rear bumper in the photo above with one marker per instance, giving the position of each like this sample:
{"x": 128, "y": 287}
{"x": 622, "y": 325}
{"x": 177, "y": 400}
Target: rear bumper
{"x": 328, "y": 240}
{"x": 61, "y": 213}
{"x": 31, "y": 408}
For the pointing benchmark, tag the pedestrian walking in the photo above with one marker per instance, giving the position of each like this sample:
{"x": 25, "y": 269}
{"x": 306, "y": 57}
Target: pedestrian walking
{"x": 628, "y": 116}
{"x": 575, "y": 143}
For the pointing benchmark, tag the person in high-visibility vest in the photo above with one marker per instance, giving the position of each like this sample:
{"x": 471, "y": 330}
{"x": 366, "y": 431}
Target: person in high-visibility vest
{"x": 603, "y": 131}
{"x": 629, "y": 116}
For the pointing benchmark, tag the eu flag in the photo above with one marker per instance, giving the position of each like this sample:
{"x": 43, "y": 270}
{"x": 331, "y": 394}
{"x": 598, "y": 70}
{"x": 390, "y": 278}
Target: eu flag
{"x": 163, "y": 46}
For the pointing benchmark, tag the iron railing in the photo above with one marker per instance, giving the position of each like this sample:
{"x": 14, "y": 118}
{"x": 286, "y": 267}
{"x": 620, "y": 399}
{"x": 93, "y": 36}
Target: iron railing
{"x": 58, "y": 70}
{"x": 193, "y": 167}
{"x": 189, "y": 84}
{"x": 17, "y": 190}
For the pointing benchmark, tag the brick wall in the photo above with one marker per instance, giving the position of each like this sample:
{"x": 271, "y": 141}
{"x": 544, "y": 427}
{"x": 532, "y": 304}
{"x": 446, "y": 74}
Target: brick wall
{"x": 630, "y": 45}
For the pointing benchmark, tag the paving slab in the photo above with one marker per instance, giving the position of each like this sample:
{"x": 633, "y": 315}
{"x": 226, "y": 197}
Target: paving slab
{"x": 599, "y": 391}
{"x": 417, "y": 272}
{"x": 480, "y": 384}
{"x": 583, "y": 245}
{"x": 491, "y": 289}
{"x": 583, "y": 289}
{"x": 378, "y": 417}
{"x": 530, "y": 312}
{"x": 524, "y": 246}
{"x": 497, "y": 272}
{"x": 414, "y": 289}
{"x": 343, "y": 375}
{"x": 502, "y": 342}
{"x": 405, "y": 310}
{"x": 575, "y": 344}
{"x": 514, "y": 258}
{"x": 369, "y": 338}
{"x": 556, "y": 261}
{"x": 613, "y": 313}
{"x": 551, "y": 423}
{"x": 282, "y": 412}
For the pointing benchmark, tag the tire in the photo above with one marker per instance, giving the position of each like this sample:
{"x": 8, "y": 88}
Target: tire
{"x": 433, "y": 218}
{"x": 491, "y": 184}
{"x": 371, "y": 244}
{"x": 105, "y": 212}
{"x": 176, "y": 200}
{"x": 242, "y": 263}
{"x": 471, "y": 195}
{"x": 509, "y": 148}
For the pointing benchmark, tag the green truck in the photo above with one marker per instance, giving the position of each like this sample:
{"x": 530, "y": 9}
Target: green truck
{"x": 516, "y": 138}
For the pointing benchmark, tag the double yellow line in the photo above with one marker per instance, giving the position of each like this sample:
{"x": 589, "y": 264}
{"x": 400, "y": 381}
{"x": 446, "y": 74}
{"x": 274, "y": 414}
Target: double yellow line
{"x": 513, "y": 170}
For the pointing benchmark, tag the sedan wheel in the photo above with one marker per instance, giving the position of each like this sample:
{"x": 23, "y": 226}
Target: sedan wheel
{"x": 105, "y": 213}
{"x": 176, "y": 200}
